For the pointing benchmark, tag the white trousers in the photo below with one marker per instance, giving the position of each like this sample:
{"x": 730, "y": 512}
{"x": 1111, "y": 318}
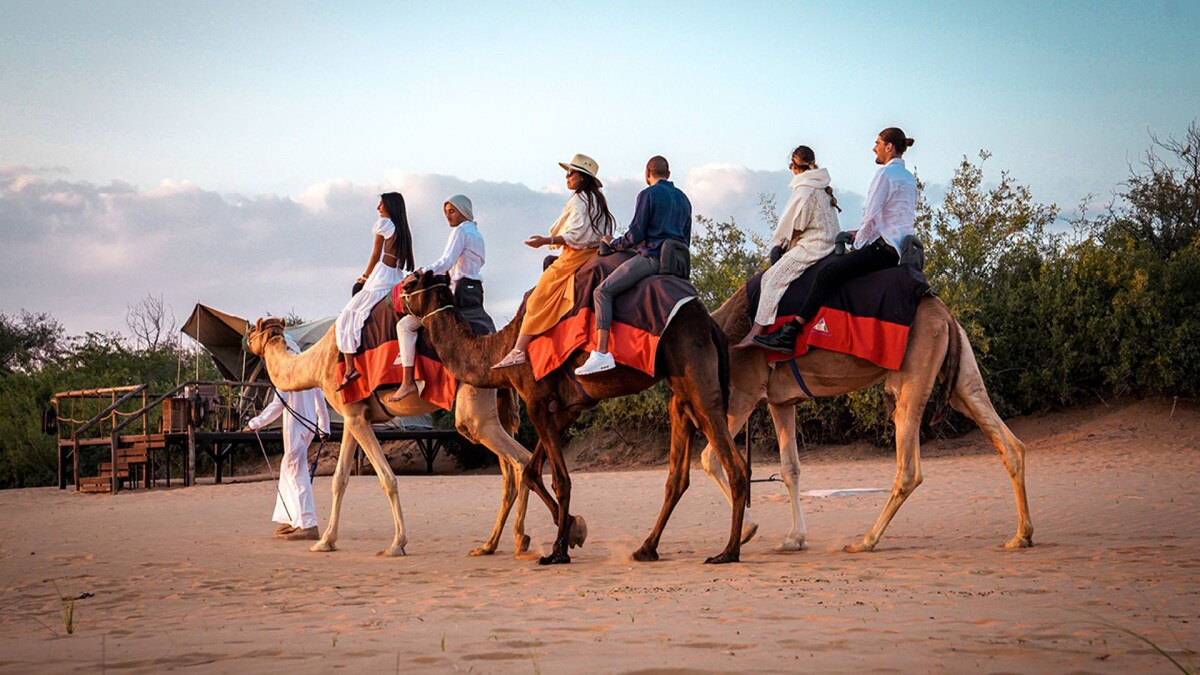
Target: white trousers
{"x": 406, "y": 336}
{"x": 294, "y": 503}
{"x": 775, "y": 282}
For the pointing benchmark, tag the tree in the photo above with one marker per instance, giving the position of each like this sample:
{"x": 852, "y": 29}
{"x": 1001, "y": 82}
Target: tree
{"x": 1161, "y": 208}
{"x": 30, "y": 342}
{"x": 150, "y": 323}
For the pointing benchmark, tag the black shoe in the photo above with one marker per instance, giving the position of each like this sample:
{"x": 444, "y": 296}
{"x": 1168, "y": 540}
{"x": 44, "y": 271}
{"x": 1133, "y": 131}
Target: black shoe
{"x": 782, "y": 340}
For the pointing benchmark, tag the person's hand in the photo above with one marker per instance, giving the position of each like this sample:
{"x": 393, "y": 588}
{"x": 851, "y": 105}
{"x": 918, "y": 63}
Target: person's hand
{"x": 538, "y": 241}
{"x": 248, "y": 428}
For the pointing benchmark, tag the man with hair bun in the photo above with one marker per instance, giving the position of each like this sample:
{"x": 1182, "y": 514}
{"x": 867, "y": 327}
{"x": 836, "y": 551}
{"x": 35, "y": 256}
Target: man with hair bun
{"x": 888, "y": 217}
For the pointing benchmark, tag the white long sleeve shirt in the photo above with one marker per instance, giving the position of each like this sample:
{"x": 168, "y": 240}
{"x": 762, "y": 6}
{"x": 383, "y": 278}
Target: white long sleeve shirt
{"x": 464, "y": 254}
{"x": 309, "y": 404}
{"x": 891, "y": 207}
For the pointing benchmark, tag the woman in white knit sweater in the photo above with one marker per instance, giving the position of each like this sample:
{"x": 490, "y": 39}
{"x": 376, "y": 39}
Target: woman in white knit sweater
{"x": 806, "y": 233}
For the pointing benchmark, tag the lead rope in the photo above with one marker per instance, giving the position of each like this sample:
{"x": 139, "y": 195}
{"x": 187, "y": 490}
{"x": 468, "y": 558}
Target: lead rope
{"x": 272, "y": 472}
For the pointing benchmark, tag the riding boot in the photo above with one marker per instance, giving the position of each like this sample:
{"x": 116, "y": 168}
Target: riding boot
{"x": 782, "y": 340}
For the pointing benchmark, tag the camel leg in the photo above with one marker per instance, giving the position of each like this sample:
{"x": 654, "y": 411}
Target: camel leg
{"x": 970, "y": 398}
{"x": 740, "y": 407}
{"x": 531, "y": 475}
{"x": 549, "y": 439}
{"x": 520, "y": 537}
{"x": 370, "y": 445}
{"x": 709, "y": 408}
{"x": 341, "y": 478}
{"x": 784, "y": 417}
{"x": 682, "y": 436}
{"x": 910, "y": 395}
{"x": 478, "y": 420}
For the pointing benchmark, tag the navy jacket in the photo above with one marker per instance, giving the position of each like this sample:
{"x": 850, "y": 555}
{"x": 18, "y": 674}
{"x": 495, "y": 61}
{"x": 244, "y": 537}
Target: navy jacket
{"x": 662, "y": 212}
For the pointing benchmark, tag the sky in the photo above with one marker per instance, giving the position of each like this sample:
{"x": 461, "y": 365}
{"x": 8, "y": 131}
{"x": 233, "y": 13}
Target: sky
{"x": 232, "y": 153}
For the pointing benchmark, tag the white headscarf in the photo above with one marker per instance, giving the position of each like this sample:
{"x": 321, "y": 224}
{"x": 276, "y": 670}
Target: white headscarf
{"x": 463, "y": 204}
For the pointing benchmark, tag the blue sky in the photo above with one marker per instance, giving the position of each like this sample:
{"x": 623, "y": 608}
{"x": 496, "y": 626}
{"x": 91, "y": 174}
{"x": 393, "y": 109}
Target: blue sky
{"x": 124, "y": 124}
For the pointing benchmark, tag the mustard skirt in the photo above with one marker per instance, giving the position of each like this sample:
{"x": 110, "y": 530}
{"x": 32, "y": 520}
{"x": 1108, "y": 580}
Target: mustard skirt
{"x": 554, "y": 294}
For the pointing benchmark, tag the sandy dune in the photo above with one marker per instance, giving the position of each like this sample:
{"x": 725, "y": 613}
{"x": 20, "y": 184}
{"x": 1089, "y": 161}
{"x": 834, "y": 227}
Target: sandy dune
{"x": 190, "y": 578}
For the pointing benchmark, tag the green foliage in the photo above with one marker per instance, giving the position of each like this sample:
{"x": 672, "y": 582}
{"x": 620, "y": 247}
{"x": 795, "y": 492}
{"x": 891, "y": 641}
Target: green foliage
{"x": 721, "y": 261}
{"x": 1054, "y": 317}
{"x": 41, "y": 361}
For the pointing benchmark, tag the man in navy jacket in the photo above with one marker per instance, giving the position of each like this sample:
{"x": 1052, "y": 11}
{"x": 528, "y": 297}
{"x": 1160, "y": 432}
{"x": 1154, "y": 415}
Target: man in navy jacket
{"x": 663, "y": 212}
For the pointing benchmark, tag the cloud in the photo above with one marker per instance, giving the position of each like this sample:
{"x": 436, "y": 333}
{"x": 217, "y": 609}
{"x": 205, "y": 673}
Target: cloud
{"x": 85, "y": 252}
{"x": 724, "y": 191}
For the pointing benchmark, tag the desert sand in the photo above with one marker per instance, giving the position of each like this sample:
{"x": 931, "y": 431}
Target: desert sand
{"x": 191, "y": 578}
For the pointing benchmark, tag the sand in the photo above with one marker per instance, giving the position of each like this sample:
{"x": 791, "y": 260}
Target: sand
{"x": 191, "y": 578}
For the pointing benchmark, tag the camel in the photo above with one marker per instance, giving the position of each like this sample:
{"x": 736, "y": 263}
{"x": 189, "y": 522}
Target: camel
{"x": 692, "y": 357}
{"x": 477, "y": 417}
{"x": 937, "y": 348}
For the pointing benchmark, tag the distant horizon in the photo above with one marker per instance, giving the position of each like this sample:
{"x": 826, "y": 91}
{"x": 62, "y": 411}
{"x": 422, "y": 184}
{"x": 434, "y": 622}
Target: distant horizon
{"x": 231, "y": 154}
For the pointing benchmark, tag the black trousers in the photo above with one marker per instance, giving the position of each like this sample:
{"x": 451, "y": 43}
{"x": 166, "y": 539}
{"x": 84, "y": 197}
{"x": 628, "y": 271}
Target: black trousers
{"x": 468, "y": 293}
{"x": 842, "y": 268}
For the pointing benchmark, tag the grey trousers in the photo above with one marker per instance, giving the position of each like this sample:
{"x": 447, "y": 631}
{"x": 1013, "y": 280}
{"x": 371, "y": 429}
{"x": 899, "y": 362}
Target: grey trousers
{"x": 622, "y": 279}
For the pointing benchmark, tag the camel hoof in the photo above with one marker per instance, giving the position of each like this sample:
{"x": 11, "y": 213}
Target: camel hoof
{"x": 860, "y": 547}
{"x": 482, "y": 550}
{"x": 1019, "y": 542}
{"x": 793, "y": 544}
{"x": 554, "y": 559}
{"x": 322, "y": 546}
{"x": 645, "y": 554}
{"x": 522, "y": 543}
{"x": 392, "y": 551}
{"x": 722, "y": 559}
{"x": 578, "y": 533}
{"x": 749, "y": 529}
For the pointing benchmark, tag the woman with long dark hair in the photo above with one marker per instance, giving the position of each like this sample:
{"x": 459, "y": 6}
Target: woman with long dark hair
{"x": 584, "y": 223}
{"x": 391, "y": 260}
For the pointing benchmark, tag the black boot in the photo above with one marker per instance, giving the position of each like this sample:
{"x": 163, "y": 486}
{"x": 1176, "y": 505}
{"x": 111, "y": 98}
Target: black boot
{"x": 782, "y": 340}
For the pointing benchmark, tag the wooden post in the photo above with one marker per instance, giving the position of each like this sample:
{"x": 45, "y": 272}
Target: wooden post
{"x": 116, "y": 481}
{"x": 189, "y": 469}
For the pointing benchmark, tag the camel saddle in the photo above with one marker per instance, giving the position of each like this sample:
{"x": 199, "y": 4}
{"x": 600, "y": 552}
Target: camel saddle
{"x": 868, "y": 317}
{"x": 378, "y": 349}
{"x": 640, "y": 317}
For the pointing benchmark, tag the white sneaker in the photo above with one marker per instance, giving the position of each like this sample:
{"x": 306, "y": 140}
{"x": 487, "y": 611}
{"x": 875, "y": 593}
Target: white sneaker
{"x": 598, "y": 362}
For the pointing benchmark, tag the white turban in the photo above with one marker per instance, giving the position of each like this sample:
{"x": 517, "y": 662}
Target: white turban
{"x": 463, "y": 204}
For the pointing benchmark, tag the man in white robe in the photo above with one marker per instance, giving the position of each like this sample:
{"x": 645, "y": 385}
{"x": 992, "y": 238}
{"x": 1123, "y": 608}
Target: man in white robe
{"x": 294, "y": 508}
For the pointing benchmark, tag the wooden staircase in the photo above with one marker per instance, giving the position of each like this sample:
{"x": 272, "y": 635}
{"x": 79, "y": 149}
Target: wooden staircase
{"x": 135, "y": 464}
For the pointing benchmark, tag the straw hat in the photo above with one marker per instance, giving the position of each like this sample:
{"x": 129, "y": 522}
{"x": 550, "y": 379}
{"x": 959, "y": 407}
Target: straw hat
{"x": 584, "y": 164}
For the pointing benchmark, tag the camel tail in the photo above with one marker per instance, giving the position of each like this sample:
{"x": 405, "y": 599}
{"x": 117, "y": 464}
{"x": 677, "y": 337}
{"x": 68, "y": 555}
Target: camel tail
{"x": 722, "y": 344}
{"x": 949, "y": 372}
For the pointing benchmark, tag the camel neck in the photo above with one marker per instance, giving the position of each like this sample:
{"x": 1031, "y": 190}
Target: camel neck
{"x": 293, "y": 372}
{"x": 467, "y": 356}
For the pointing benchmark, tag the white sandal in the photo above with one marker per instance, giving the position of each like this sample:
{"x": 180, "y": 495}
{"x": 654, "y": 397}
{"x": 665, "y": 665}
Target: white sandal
{"x": 514, "y": 358}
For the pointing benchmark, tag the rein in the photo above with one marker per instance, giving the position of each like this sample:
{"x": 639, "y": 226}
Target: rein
{"x": 408, "y": 305}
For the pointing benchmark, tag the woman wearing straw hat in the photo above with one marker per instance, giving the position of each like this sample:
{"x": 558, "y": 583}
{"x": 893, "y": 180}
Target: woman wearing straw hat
{"x": 584, "y": 223}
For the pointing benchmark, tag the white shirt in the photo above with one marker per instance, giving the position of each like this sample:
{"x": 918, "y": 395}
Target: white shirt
{"x": 464, "y": 254}
{"x": 308, "y": 404}
{"x": 575, "y": 227}
{"x": 891, "y": 207}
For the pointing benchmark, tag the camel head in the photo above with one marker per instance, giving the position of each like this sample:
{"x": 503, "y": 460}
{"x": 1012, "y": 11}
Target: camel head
{"x": 263, "y": 331}
{"x": 426, "y": 292}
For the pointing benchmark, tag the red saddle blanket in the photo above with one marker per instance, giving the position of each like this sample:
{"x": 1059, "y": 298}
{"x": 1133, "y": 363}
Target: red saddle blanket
{"x": 377, "y": 351}
{"x": 640, "y": 317}
{"x": 868, "y": 317}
